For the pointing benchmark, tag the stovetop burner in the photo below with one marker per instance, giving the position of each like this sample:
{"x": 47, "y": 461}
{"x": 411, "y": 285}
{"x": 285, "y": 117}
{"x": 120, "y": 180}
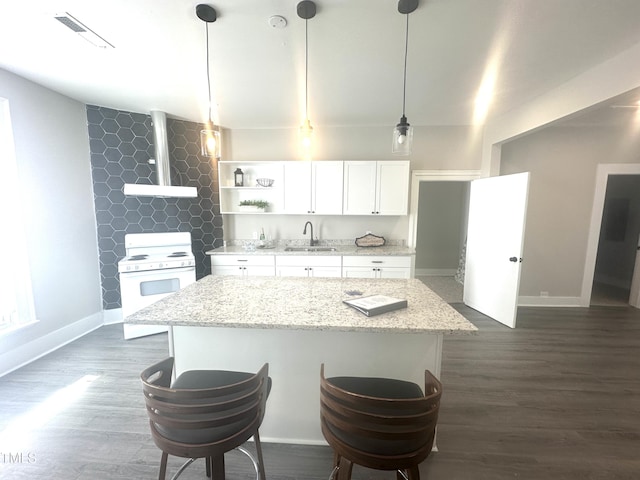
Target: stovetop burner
{"x": 147, "y": 252}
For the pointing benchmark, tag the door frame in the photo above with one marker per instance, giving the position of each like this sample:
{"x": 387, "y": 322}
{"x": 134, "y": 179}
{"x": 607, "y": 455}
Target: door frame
{"x": 418, "y": 176}
{"x": 602, "y": 177}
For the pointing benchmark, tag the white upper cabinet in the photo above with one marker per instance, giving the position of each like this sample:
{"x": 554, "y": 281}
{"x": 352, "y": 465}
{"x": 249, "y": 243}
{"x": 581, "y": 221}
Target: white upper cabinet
{"x": 361, "y": 187}
{"x": 376, "y": 188}
{"x": 313, "y": 187}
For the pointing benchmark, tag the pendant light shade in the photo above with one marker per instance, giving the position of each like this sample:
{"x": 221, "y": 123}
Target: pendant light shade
{"x": 306, "y": 133}
{"x": 402, "y": 137}
{"x": 402, "y": 141}
{"x": 210, "y": 143}
{"x": 210, "y": 136}
{"x": 306, "y": 10}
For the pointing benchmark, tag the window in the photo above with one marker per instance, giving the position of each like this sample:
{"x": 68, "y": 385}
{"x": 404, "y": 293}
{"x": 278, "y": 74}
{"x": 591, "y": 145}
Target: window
{"x": 16, "y": 298}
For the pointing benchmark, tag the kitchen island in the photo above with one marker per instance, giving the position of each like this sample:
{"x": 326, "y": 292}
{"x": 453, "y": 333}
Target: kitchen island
{"x": 295, "y": 324}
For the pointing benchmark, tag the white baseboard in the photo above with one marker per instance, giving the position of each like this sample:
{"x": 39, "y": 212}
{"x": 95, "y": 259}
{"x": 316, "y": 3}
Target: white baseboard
{"x": 112, "y": 316}
{"x": 435, "y": 272}
{"x": 41, "y": 346}
{"x": 549, "y": 301}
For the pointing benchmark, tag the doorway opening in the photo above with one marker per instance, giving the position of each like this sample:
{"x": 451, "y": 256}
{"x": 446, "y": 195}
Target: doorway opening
{"x": 618, "y": 242}
{"x": 611, "y": 225}
{"x": 438, "y": 223}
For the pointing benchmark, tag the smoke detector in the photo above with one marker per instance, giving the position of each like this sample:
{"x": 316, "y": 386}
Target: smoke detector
{"x": 277, "y": 21}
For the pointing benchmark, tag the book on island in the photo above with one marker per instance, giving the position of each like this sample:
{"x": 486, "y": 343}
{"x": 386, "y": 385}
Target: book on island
{"x": 376, "y": 304}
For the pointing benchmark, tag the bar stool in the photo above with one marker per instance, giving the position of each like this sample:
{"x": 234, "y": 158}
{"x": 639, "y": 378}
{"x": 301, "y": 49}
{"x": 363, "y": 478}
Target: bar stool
{"x": 204, "y": 414}
{"x": 379, "y": 423}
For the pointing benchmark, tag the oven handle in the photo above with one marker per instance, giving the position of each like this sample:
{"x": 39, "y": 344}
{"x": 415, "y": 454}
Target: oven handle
{"x": 165, "y": 271}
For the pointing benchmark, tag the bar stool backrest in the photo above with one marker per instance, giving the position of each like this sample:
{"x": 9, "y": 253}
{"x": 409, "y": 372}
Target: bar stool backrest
{"x": 380, "y": 433}
{"x": 206, "y": 422}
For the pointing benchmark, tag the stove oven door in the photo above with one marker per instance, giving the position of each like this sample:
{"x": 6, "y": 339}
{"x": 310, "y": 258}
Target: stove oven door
{"x": 141, "y": 289}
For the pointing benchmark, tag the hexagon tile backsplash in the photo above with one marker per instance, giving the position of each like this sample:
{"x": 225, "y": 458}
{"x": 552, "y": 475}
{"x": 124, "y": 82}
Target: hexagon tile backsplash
{"x": 121, "y": 144}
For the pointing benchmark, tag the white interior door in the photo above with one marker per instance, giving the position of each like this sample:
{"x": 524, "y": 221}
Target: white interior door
{"x": 497, "y": 211}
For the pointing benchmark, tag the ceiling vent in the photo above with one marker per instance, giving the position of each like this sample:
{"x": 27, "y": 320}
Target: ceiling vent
{"x": 81, "y": 29}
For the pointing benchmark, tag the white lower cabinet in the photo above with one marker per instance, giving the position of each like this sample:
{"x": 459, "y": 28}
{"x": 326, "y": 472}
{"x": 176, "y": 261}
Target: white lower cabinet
{"x": 254, "y": 265}
{"x": 349, "y": 266}
{"x": 366, "y": 266}
{"x": 308, "y": 266}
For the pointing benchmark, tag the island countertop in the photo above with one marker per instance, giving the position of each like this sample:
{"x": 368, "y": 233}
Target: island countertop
{"x": 294, "y": 303}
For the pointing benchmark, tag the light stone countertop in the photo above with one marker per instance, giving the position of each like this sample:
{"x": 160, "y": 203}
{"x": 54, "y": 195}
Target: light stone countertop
{"x": 295, "y": 303}
{"x": 340, "y": 249}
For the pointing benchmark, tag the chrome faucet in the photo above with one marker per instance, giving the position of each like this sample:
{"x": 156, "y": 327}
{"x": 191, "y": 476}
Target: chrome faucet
{"x": 304, "y": 232}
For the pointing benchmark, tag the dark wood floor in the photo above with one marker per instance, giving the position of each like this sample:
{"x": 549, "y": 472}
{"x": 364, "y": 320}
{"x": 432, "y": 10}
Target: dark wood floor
{"x": 556, "y": 398}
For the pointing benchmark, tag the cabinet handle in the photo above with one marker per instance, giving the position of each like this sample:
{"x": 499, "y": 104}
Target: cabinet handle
{"x": 376, "y": 261}
{"x": 243, "y": 260}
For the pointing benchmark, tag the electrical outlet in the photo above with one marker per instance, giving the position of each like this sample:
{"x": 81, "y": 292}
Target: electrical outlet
{"x": 544, "y": 294}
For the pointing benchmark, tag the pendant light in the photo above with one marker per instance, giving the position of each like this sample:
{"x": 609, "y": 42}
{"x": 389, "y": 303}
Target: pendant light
{"x": 209, "y": 137}
{"x": 403, "y": 132}
{"x": 306, "y": 10}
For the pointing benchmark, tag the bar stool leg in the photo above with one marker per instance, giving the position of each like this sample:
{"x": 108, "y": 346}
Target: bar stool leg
{"x": 345, "y": 467}
{"x": 256, "y": 438}
{"x": 163, "y": 466}
{"x": 217, "y": 468}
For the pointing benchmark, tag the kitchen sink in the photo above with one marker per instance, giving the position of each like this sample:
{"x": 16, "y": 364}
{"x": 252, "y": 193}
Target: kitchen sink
{"x": 309, "y": 249}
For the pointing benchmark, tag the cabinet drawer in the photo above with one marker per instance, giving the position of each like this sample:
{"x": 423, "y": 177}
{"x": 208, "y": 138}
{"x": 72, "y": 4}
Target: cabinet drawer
{"x": 252, "y": 260}
{"x": 376, "y": 261}
{"x": 308, "y": 260}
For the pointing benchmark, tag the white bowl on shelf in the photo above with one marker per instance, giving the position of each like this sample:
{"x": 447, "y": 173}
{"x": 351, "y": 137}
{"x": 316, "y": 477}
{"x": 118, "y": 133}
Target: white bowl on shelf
{"x": 264, "y": 182}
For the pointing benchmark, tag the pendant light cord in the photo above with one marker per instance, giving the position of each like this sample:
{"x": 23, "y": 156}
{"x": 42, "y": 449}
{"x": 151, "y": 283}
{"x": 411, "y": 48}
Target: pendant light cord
{"x": 206, "y": 26}
{"x": 404, "y": 82}
{"x": 306, "y": 68}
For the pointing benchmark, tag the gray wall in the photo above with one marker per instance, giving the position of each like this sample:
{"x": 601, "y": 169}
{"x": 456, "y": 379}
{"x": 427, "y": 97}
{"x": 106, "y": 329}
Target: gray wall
{"x": 562, "y": 162}
{"x": 52, "y": 151}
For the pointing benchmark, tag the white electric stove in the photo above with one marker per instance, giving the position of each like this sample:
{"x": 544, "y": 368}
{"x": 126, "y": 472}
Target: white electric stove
{"x": 156, "y": 265}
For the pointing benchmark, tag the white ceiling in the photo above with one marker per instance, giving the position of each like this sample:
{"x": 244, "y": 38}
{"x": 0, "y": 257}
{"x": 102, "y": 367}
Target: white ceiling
{"x": 356, "y": 52}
